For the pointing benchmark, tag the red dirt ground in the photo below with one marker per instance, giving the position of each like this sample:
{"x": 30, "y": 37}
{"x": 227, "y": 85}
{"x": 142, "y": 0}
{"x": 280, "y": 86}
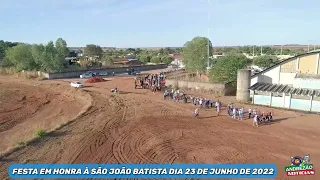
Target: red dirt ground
{"x": 137, "y": 126}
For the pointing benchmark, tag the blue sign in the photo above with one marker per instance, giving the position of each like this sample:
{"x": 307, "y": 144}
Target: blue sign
{"x": 21, "y": 171}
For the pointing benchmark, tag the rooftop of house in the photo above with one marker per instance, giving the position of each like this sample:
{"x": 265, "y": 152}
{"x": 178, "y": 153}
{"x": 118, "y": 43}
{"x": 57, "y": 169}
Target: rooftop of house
{"x": 177, "y": 56}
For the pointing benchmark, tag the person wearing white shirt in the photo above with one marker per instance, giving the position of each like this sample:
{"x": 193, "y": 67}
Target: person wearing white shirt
{"x": 234, "y": 113}
{"x": 255, "y": 120}
{"x": 218, "y": 109}
{"x": 254, "y": 112}
{"x": 196, "y": 113}
{"x": 217, "y": 103}
{"x": 241, "y": 111}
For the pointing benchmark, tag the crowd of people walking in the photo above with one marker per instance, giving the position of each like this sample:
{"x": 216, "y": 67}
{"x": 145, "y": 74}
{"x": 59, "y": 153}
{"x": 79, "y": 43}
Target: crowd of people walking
{"x": 238, "y": 113}
{"x": 257, "y": 116}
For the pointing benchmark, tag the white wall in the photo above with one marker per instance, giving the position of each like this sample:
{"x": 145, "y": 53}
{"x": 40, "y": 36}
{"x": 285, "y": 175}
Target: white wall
{"x": 315, "y": 106}
{"x": 277, "y": 102}
{"x": 287, "y": 78}
{"x": 178, "y": 63}
{"x": 254, "y": 80}
{"x": 306, "y": 83}
{"x": 287, "y": 102}
{"x": 271, "y": 76}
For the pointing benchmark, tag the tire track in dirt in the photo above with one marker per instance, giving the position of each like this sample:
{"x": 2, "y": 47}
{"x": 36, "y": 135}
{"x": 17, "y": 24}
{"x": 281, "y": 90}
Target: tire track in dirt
{"x": 96, "y": 145}
{"x": 125, "y": 148}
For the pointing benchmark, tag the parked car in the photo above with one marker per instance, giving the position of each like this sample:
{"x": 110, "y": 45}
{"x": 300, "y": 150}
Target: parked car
{"x": 130, "y": 71}
{"x": 103, "y": 74}
{"x": 87, "y": 75}
{"x": 137, "y": 73}
{"x": 90, "y": 72}
{"x": 77, "y": 85}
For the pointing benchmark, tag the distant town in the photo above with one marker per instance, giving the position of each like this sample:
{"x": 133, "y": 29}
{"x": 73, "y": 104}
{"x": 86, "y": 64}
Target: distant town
{"x": 286, "y": 46}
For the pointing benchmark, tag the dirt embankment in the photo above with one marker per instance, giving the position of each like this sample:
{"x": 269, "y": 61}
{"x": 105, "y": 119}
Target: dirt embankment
{"x": 27, "y": 107}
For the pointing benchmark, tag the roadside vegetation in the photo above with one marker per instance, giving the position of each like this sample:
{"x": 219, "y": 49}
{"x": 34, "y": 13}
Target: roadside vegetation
{"x": 41, "y": 134}
{"x": 198, "y": 54}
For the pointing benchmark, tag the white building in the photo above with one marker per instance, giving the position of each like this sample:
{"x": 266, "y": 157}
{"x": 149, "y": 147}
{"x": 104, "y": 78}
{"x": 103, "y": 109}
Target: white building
{"x": 293, "y": 83}
{"x": 177, "y": 60}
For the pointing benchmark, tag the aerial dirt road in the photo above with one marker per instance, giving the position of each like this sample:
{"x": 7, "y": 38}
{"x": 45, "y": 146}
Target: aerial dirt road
{"x": 137, "y": 126}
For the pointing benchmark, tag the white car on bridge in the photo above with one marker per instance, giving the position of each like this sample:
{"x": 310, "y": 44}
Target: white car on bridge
{"x": 77, "y": 85}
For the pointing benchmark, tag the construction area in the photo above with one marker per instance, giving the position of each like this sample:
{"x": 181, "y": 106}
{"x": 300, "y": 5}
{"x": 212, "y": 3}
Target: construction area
{"x": 92, "y": 125}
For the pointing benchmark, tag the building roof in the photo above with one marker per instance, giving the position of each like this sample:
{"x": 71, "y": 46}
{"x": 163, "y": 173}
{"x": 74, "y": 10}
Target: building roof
{"x": 284, "y": 88}
{"x": 284, "y": 61}
{"x": 177, "y": 56}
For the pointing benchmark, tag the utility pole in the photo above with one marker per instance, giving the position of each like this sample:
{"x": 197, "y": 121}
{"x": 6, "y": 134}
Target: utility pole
{"x": 309, "y": 42}
{"x": 208, "y": 50}
{"x": 281, "y": 49}
{"x": 261, "y": 50}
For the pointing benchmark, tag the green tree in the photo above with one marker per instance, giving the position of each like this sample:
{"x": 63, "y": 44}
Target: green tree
{"x": 268, "y": 50}
{"x": 21, "y": 57}
{"x": 52, "y": 60}
{"x": 108, "y": 53}
{"x": 108, "y": 60}
{"x": 265, "y": 61}
{"x": 48, "y": 57}
{"x": 161, "y": 51}
{"x": 138, "y": 50}
{"x": 226, "y": 68}
{"x": 2, "y": 53}
{"x": 92, "y": 50}
{"x": 168, "y": 50}
{"x": 166, "y": 59}
{"x": 37, "y": 52}
{"x": 62, "y": 49}
{"x": 144, "y": 58}
{"x": 155, "y": 59}
{"x": 3, "y": 48}
{"x": 196, "y": 54}
{"x": 131, "y": 50}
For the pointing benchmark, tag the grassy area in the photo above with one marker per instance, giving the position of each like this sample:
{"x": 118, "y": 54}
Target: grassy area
{"x": 41, "y": 134}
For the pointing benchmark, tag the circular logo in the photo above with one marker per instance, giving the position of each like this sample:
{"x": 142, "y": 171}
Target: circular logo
{"x": 296, "y": 161}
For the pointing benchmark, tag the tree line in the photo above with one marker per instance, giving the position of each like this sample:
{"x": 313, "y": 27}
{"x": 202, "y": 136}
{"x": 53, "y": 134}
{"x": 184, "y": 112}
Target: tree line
{"x": 256, "y": 50}
{"x": 198, "y": 53}
{"x": 35, "y": 57}
{"x": 108, "y": 57}
{"x": 51, "y": 57}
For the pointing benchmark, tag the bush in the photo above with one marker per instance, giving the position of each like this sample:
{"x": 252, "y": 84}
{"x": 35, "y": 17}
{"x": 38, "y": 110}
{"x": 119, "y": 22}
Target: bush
{"x": 41, "y": 134}
{"x": 22, "y": 144}
{"x": 8, "y": 71}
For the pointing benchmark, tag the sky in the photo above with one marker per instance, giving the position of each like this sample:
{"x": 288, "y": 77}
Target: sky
{"x": 160, "y": 23}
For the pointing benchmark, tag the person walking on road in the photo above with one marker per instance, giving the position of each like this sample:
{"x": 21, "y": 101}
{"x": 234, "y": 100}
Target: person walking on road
{"x": 234, "y": 113}
{"x": 229, "y": 110}
{"x": 255, "y": 120}
{"x": 241, "y": 112}
{"x": 218, "y": 108}
{"x": 196, "y": 113}
{"x": 249, "y": 112}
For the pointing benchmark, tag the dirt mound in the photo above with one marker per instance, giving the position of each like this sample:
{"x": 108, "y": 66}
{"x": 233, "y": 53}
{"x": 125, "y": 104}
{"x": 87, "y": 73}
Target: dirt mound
{"x": 27, "y": 108}
{"x": 95, "y": 80}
